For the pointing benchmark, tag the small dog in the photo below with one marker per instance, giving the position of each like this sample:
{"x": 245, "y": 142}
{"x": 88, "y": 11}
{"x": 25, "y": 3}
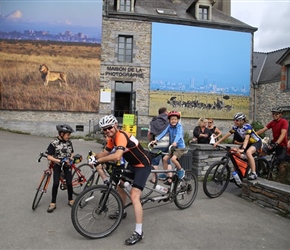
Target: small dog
{"x": 51, "y": 76}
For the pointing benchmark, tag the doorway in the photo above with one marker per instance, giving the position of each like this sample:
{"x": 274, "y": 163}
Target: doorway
{"x": 124, "y": 100}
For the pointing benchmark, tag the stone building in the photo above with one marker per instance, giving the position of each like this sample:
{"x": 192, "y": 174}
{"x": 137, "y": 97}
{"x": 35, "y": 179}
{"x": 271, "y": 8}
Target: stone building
{"x": 271, "y": 84}
{"x": 126, "y": 49}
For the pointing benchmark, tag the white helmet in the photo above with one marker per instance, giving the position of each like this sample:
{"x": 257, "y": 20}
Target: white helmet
{"x": 108, "y": 120}
{"x": 239, "y": 116}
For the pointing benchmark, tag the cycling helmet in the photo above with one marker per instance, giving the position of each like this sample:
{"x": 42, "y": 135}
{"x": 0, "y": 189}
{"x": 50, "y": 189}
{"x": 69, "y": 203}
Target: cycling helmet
{"x": 64, "y": 128}
{"x": 277, "y": 110}
{"x": 108, "y": 120}
{"x": 173, "y": 113}
{"x": 239, "y": 116}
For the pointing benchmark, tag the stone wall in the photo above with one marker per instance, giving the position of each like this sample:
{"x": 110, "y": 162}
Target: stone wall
{"x": 270, "y": 195}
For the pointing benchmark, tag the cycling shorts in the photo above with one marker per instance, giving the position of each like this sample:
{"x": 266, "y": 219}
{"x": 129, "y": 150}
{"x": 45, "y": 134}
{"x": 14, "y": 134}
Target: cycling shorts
{"x": 139, "y": 175}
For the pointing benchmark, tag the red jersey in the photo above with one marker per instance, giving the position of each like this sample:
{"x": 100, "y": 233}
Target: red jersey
{"x": 276, "y": 127}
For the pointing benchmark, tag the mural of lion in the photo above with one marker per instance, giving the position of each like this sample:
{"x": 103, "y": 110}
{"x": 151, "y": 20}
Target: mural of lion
{"x": 50, "y": 76}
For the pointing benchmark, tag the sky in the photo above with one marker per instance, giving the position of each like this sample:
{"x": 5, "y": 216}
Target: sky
{"x": 271, "y": 17}
{"x": 54, "y": 16}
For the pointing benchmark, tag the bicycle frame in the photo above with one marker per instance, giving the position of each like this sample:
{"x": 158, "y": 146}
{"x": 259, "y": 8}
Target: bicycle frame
{"x": 230, "y": 157}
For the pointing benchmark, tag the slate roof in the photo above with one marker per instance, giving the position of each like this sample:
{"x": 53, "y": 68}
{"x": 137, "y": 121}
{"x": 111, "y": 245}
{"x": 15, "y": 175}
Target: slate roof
{"x": 265, "y": 66}
{"x": 145, "y": 10}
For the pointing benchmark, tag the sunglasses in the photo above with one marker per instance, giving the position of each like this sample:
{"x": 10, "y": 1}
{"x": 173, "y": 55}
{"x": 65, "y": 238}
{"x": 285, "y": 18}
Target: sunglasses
{"x": 209, "y": 122}
{"x": 275, "y": 113}
{"x": 238, "y": 120}
{"x": 108, "y": 128}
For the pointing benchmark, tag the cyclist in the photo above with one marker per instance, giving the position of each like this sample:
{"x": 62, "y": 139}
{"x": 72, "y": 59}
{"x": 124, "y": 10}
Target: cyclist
{"x": 175, "y": 130}
{"x": 60, "y": 152}
{"x": 252, "y": 142}
{"x": 100, "y": 168}
{"x": 279, "y": 128}
{"x": 139, "y": 163}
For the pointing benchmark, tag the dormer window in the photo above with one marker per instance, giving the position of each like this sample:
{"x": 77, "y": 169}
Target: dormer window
{"x": 203, "y": 12}
{"x": 125, "y": 5}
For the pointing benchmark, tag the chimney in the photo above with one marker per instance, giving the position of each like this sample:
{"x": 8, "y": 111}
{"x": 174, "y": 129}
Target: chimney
{"x": 223, "y": 5}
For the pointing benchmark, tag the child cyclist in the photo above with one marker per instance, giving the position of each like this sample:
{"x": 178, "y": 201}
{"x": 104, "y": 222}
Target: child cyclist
{"x": 252, "y": 142}
{"x": 60, "y": 152}
{"x": 175, "y": 131}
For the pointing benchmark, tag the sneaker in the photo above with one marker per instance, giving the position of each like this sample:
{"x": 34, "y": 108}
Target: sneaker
{"x": 51, "y": 207}
{"x": 162, "y": 177}
{"x": 134, "y": 238}
{"x": 116, "y": 215}
{"x": 71, "y": 203}
{"x": 180, "y": 173}
{"x": 252, "y": 176}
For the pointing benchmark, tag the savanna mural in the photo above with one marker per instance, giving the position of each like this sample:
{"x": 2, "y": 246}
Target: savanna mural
{"x": 50, "y": 56}
{"x": 24, "y": 87}
{"x": 200, "y": 72}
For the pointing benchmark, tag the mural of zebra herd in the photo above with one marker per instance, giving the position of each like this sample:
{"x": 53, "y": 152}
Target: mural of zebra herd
{"x": 217, "y": 104}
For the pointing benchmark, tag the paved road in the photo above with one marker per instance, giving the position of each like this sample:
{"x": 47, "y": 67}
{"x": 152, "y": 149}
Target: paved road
{"x": 227, "y": 222}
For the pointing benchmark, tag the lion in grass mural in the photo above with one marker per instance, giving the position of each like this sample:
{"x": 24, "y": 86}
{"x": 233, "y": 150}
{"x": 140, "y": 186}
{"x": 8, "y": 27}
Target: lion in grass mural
{"x": 51, "y": 76}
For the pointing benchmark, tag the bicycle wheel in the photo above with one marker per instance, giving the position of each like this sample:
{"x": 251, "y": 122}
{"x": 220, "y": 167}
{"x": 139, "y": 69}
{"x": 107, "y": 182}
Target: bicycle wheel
{"x": 79, "y": 183}
{"x": 149, "y": 184}
{"x": 40, "y": 190}
{"x": 216, "y": 179}
{"x": 186, "y": 190}
{"x": 262, "y": 167}
{"x": 91, "y": 210}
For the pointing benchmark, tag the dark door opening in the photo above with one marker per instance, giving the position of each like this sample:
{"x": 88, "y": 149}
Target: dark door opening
{"x": 122, "y": 104}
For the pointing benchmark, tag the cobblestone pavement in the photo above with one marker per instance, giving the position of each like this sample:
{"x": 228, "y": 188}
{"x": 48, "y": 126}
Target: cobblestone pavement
{"x": 227, "y": 222}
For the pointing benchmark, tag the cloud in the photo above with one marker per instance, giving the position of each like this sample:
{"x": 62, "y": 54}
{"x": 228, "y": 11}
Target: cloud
{"x": 68, "y": 22}
{"x": 15, "y": 15}
{"x": 271, "y": 19}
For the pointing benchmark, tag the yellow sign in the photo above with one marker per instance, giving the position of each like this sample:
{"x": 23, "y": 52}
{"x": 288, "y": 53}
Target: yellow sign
{"x": 130, "y": 129}
{"x": 129, "y": 119}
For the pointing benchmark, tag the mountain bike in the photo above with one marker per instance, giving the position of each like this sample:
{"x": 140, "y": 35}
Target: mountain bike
{"x": 80, "y": 176}
{"x": 217, "y": 177}
{"x": 92, "y": 208}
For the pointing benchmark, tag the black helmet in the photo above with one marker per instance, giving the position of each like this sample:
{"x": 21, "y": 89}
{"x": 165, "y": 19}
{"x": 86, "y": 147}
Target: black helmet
{"x": 277, "y": 110}
{"x": 64, "y": 128}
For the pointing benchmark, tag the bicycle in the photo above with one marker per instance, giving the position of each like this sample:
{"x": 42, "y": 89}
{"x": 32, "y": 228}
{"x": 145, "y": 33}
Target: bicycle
{"x": 108, "y": 168}
{"x": 93, "y": 206}
{"x": 79, "y": 178}
{"x": 217, "y": 177}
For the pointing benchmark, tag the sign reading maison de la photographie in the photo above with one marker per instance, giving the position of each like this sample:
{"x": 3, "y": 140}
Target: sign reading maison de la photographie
{"x": 120, "y": 71}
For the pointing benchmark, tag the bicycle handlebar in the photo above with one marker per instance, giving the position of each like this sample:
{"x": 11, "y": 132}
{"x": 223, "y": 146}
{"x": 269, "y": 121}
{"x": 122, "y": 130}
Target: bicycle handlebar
{"x": 41, "y": 155}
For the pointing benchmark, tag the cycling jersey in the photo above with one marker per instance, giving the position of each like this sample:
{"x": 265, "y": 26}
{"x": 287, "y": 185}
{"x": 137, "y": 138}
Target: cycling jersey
{"x": 276, "y": 127}
{"x": 246, "y": 130}
{"x": 134, "y": 153}
{"x": 60, "y": 149}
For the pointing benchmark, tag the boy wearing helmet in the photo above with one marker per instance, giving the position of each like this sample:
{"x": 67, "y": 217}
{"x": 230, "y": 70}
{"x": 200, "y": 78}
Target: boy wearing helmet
{"x": 175, "y": 131}
{"x": 127, "y": 146}
{"x": 252, "y": 142}
{"x": 60, "y": 152}
{"x": 279, "y": 128}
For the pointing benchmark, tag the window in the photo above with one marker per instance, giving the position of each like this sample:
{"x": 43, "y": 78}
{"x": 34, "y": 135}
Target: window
{"x": 125, "y": 5}
{"x": 203, "y": 12}
{"x": 288, "y": 77}
{"x": 125, "y": 48}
